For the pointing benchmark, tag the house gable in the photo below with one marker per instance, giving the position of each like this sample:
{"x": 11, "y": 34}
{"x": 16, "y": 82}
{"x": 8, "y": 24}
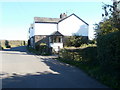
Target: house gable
{"x": 73, "y": 25}
{"x": 75, "y": 16}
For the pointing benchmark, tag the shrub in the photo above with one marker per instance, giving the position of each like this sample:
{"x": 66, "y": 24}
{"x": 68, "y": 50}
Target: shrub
{"x": 92, "y": 41}
{"x": 43, "y": 49}
{"x": 109, "y": 53}
{"x": 68, "y": 41}
{"x": 75, "y": 41}
{"x": 1, "y": 48}
{"x": 86, "y": 55}
{"x": 8, "y": 46}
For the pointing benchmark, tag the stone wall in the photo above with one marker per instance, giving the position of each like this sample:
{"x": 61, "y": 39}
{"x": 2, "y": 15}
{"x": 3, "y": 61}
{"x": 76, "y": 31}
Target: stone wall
{"x": 41, "y": 39}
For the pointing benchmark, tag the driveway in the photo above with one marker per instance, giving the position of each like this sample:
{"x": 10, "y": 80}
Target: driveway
{"x": 22, "y": 70}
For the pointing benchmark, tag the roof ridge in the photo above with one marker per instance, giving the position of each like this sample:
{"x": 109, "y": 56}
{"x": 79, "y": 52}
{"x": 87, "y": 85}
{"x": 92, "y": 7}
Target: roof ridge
{"x": 74, "y": 15}
{"x": 46, "y": 17}
{"x": 55, "y": 20}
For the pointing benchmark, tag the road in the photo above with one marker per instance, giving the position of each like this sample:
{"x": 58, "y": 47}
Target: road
{"x": 22, "y": 70}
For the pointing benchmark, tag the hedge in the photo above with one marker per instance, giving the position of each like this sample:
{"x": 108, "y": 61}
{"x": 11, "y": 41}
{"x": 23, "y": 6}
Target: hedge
{"x": 43, "y": 49}
{"x": 86, "y": 55}
{"x": 109, "y": 54}
{"x": 109, "y": 50}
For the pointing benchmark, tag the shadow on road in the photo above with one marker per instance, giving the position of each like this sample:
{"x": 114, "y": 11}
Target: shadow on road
{"x": 41, "y": 80}
{"x": 67, "y": 76}
{"x": 20, "y": 49}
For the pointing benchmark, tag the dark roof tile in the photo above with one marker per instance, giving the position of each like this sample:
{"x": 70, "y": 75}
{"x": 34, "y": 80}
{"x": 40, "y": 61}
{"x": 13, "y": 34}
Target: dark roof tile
{"x": 54, "y": 20}
{"x": 44, "y": 19}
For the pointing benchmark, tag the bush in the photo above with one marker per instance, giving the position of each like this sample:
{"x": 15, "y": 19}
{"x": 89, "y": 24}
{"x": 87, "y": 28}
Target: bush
{"x": 86, "y": 55}
{"x": 1, "y": 48}
{"x": 92, "y": 41}
{"x": 109, "y": 50}
{"x": 109, "y": 54}
{"x": 8, "y": 46}
{"x": 87, "y": 60}
{"x": 75, "y": 41}
{"x": 43, "y": 49}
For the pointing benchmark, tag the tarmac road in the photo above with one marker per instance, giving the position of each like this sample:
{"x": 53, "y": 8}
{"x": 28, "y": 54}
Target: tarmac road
{"x": 22, "y": 70}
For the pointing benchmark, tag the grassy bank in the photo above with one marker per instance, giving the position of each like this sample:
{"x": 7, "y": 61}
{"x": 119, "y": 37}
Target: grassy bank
{"x": 86, "y": 59}
{"x": 33, "y": 51}
{"x": 37, "y": 52}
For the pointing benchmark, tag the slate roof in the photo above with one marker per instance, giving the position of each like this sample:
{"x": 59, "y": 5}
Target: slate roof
{"x": 46, "y": 20}
{"x": 54, "y": 20}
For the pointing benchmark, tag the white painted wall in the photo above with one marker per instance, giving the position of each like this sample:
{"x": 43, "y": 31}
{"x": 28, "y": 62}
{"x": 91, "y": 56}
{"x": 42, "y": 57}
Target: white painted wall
{"x": 56, "y": 45}
{"x": 31, "y": 42}
{"x": 72, "y": 25}
{"x": 31, "y": 32}
{"x": 44, "y": 28}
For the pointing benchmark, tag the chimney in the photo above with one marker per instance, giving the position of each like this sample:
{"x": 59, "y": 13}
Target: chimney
{"x": 63, "y": 15}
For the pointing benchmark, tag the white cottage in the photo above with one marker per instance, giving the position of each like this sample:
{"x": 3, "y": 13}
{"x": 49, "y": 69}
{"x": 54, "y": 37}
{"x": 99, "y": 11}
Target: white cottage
{"x": 52, "y": 31}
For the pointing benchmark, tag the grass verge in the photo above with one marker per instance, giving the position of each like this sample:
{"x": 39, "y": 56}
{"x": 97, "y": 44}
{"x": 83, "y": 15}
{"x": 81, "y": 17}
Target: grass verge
{"x": 89, "y": 65}
{"x": 34, "y": 51}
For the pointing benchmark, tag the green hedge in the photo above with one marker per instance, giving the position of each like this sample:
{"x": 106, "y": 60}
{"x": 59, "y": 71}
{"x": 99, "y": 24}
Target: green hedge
{"x": 109, "y": 50}
{"x": 109, "y": 55}
{"x": 86, "y": 55}
{"x": 101, "y": 63}
{"x": 43, "y": 49}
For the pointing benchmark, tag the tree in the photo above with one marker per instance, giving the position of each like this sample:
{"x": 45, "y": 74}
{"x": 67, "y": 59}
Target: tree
{"x": 111, "y": 20}
{"x": 7, "y": 44}
{"x": 76, "y": 41}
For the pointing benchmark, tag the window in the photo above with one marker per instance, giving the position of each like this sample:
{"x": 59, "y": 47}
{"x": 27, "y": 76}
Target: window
{"x": 59, "y": 39}
{"x": 55, "y": 39}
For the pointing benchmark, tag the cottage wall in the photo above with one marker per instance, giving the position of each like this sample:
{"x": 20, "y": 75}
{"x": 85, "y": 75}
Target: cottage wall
{"x": 73, "y": 25}
{"x": 45, "y": 28}
{"x": 41, "y": 39}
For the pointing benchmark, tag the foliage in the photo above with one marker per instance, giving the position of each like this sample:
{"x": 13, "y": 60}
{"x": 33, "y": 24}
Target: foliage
{"x": 76, "y": 41}
{"x": 106, "y": 27}
{"x": 92, "y": 41}
{"x": 43, "y": 49}
{"x": 109, "y": 54}
{"x": 33, "y": 51}
{"x": 109, "y": 50}
{"x": 7, "y": 44}
{"x": 114, "y": 12}
{"x": 103, "y": 63}
{"x": 111, "y": 21}
{"x": 87, "y": 54}
{"x": 1, "y": 48}
{"x": 86, "y": 60}
{"x": 108, "y": 44}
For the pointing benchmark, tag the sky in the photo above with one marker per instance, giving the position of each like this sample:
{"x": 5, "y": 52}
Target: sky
{"x": 16, "y": 16}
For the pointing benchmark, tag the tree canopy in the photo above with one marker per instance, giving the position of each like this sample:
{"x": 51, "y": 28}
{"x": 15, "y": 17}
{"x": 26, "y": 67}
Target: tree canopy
{"x": 111, "y": 20}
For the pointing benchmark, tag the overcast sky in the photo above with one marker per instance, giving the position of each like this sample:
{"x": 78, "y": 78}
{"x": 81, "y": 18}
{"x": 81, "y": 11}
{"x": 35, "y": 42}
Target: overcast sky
{"x": 16, "y": 17}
